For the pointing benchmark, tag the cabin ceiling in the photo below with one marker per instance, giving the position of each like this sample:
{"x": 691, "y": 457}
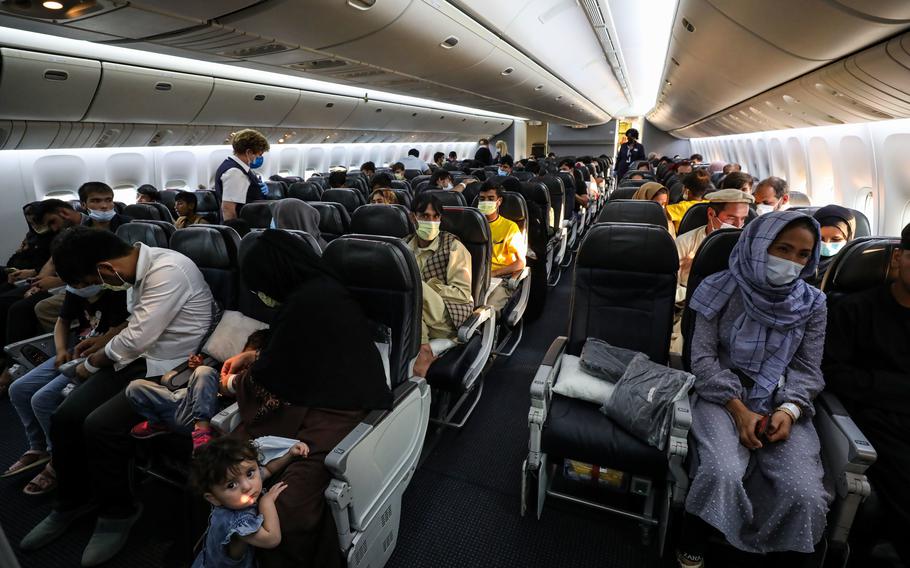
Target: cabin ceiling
{"x": 538, "y": 59}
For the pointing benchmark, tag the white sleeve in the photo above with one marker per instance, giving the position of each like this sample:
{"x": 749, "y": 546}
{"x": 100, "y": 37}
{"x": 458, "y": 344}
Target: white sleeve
{"x": 234, "y": 184}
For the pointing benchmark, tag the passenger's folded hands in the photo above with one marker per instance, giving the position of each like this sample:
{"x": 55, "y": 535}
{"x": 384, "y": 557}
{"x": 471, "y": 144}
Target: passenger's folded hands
{"x": 779, "y": 426}
{"x": 195, "y": 361}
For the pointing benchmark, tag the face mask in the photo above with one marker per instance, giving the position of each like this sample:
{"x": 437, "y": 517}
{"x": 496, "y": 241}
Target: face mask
{"x": 399, "y": 175}
{"x": 257, "y": 162}
{"x": 114, "y": 288}
{"x": 86, "y": 292}
{"x": 487, "y": 207}
{"x": 272, "y": 224}
{"x": 831, "y": 249}
{"x": 762, "y": 208}
{"x": 448, "y": 187}
{"x": 502, "y": 172}
{"x": 428, "y": 230}
{"x": 267, "y": 300}
{"x": 781, "y": 272}
{"x": 724, "y": 225}
{"x": 97, "y": 215}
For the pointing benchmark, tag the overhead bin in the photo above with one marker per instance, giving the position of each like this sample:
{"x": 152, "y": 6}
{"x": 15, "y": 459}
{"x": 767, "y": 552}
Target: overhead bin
{"x": 138, "y": 94}
{"x": 236, "y": 102}
{"x": 40, "y": 86}
{"x": 131, "y": 22}
{"x": 372, "y": 115}
{"x": 318, "y": 110}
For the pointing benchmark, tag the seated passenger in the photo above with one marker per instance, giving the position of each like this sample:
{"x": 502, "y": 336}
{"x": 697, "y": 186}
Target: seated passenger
{"x": 453, "y": 157}
{"x": 653, "y": 191}
{"x": 35, "y": 396}
{"x": 413, "y": 162}
{"x": 442, "y": 179}
{"x": 695, "y": 185}
{"x": 33, "y": 252}
{"x": 368, "y": 168}
{"x": 756, "y": 355}
{"x": 737, "y": 180}
{"x": 445, "y": 268}
{"x": 97, "y": 200}
{"x": 184, "y": 410}
{"x": 505, "y": 165}
{"x": 439, "y": 160}
{"x": 296, "y": 215}
{"x": 867, "y": 365}
{"x": 171, "y": 313}
{"x": 696, "y": 159}
{"x": 227, "y": 473}
{"x": 838, "y": 227}
{"x": 727, "y": 209}
{"x": 381, "y": 181}
{"x": 771, "y": 194}
{"x": 312, "y": 382}
{"x": 338, "y": 179}
{"x": 147, "y": 193}
{"x": 509, "y": 246}
{"x": 383, "y": 197}
{"x": 398, "y": 171}
{"x": 185, "y": 205}
{"x": 636, "y": 177}
{"x": 580, "y": 191}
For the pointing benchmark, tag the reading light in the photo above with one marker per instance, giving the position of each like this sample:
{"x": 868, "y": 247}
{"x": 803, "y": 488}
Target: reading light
{"x": 53, "y": 5}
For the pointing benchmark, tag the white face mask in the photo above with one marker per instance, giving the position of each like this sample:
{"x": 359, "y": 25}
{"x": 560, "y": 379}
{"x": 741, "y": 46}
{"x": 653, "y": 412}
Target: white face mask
{"x": 724, "y": 225}
{"x": 763, "y": 208}
{"x": 99, "y": 215}
{"x": 781, "y": 272}
{"x": 448, "y": 187}
{"x": 831, "y": 249}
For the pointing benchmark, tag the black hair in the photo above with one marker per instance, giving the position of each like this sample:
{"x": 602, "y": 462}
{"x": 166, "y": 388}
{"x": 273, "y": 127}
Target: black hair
{"x": 48, "y": 206}
{"x": 240, "y": 225}
{"x": 696, "y": 157}
{"x": 506, "y": 161}
{"x": 533, "y": 167}
{"x": 632, "y": 134}
{"x": 257, "y": 340}
{"x": 278, "y": 263}
{"x": 438, "y": 175}
{"x": 905, "y": 238}
{"x": 414, "y": 152}
{"x": 149, "y": 191}
{"x": 214, "y": 461}
{"x": 93, "y": 187}
{"x": 398, "y": 166}
{"x": 735, "y": 180}
{"x": 439, "y": 155}
{"x": 187, "y": 197}
{"x": 453, "y": 154}
{"x": 697, "y": 182}
{"x": 483, "y": 141}
{"x": 567, "y": 162}
{"x": 423, "y": 199}
{"x": 779, "y": 185}
{"x": 382, "y": 180}
{"x": 492, "y": 185}
{"x": 78, "y": 251}
{"x": 337, "y": 179}
{"x": 368, "y": 166}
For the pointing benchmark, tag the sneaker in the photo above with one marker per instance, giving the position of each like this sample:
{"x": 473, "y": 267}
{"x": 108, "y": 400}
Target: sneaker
{"x": 53, "y": 527}
{"x": 687, "y": 560}
{"x": 201, "y": 437}
{"x": 109, "y": 538}
{"x": 146, "y": 430}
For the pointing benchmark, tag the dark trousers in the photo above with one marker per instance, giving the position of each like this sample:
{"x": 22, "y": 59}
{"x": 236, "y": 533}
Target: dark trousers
{"x": 7, "y": 299}
{"x": 92, "y": 444}
{"x": 21, "y": 322}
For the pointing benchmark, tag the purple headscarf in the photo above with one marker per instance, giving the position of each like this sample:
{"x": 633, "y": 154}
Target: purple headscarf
{"x": 772, "y": 325}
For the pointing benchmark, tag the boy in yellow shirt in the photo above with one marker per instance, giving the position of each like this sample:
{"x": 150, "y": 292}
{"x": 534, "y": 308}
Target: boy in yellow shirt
{"x": 509, "y": 246}
{"x": 695, "y": 185}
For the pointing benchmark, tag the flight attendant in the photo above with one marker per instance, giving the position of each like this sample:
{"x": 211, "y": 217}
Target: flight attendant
{"x": 630, "y": 151}
{"x": 235, "y": 181}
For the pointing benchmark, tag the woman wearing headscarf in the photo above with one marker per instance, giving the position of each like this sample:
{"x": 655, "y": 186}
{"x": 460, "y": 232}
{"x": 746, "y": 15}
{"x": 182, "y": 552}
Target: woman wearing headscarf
{"x": 756, "y": 354}
{"x": 297, "y": 215}
{"x": 838, "y": 227}
{"x": 314, "y": 381}
{"x": 653, "y": 191}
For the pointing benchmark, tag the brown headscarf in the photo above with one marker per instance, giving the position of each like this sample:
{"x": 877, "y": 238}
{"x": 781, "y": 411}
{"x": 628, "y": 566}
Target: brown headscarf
{"x": 648, "y": 190}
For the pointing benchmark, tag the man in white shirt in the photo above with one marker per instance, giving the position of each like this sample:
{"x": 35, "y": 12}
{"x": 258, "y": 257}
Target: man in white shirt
{"x": 727, "y": 209}
{"x": 172, "y": 309}
{"x": 235, "y": 181}
{"x": 771, "y": 194}
{"x": 413, "y": 162}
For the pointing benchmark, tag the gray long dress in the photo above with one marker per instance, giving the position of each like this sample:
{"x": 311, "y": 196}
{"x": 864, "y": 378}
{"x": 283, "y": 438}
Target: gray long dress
{"x": 771, "y": 499}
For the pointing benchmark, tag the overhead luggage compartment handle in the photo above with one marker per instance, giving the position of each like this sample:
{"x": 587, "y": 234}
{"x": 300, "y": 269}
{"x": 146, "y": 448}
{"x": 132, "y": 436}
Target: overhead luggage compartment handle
{"x": 361, "y": 4}
{"x": 56, "y": 75}
{"x": 259, "y": 98}
{"x": 162, "y": 86}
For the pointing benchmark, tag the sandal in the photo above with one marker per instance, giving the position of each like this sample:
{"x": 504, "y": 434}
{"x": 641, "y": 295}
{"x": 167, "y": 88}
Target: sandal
{"x": 29, "y": 460}
{"x": 44, "y": 482}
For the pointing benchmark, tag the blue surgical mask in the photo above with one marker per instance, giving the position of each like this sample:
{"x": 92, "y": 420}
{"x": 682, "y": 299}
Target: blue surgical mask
{"x": 782, "y": 272}
{"x": 257, "y": 162}
{"x": 831, "y": 249}
{"x": 86, "y": 292}
{"x": 502, "y": 172}
{"x": 97, "y": 215}
{"x": 272, "y": 224}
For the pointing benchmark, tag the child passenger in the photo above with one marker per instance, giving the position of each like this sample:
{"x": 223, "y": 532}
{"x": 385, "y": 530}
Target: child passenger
{"x": 185, "y": 410}
{"x": 228, "y": 474}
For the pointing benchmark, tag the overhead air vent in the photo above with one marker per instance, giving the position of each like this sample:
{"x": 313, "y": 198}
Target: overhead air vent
{"x": 362, "y": 5}
{"x": 688, "y": 25}
{"x": 449, "y": 42}
{"x": 319, "y": 64}
{"x": 260, "y": 50}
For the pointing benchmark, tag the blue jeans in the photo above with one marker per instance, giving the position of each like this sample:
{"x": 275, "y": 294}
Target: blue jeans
{"x": 36, "y": 396}
{"x": 178, "y": 410}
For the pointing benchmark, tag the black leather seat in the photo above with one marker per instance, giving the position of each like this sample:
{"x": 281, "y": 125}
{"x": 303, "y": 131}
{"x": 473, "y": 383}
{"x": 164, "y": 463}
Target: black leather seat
{"x": 523, "y": 175}
{"x": 277, "y": 190}
{"x": 168, "y": 228}
{"x": 214, "y": 249}
{"x": 697, "y": 216}
{"x": 358, "y": 181}
{"x": 145, "y": 233}
{"x": 334, "y": 219}
{"x": 401, "y": 184}
{"x": 168, "y": 198}
{"x": 633, "y": 211}
{"x": 208, "y": 207}
{"x": 863, "y": 226}
{"x": 257, "y": 214}
{"x": 306, "y": 191}
{"x": 862, "y": 264}
{"x": 420, "y": 186}
{"x": 448, "y": 198}
{"x": 623, "y": 193}
{"x": 712, "y": 256}
{"x": 411, "y": 174}
{"x": 382, "y": 274}
{"x": 385, "y": 220}
{"x": 321, "y": 181}
{"x": 557, "y": 199}
{"x": 636, "y": 183}
{"x": 150, "y": 211}
{"x": 404, "y": 197}
{"x": 351, "y": 199}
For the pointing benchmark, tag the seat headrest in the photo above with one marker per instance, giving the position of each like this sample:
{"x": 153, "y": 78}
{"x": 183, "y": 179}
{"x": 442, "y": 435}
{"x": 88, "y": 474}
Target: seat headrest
{"x": 388, "y": 220}
{"x": 632, "y": 247}
{"x": 145, "y": 233}
{"x": 206, "y": 201}
{"x": 633, "y": 211}
{"x": 372, "y": 261}
{"x": 404, "y": 197}
{"x": 514, "y": 208}
{"x": 276, "y": 189}
{"x": 713, "y": 255}
{"x": 536, "y": 192}
{"x": 333, "y": 217}
{"x": 862, "y": 264}
{"x": 305, "y": 191}
{"x": 168, "y": 228}
{"x": 350, "y": 198}
{"x": 258, "y": 214}
{"x": 209, "y": 246}
{"x": 448, "y": 198}
{"x": 863, "y": 226}
{"x": 623, "y": 193}
{"x": 145, "y": 211}
{"x": 798, "y": 198}
{"x": 466, "y": 223}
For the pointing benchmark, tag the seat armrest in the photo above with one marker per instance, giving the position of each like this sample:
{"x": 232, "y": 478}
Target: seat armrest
{"x": 473, "y": 323}
{"x": 227, "y": 420}
{"x": 540, "y": 398}
{"x": 516, "y": 279}
{"x": 856, "y": 453}
{"x": 678, "y": 449}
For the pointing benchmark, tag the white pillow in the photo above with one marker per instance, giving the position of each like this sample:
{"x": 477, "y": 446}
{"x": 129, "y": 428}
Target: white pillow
{"x": 231, "y": 334}
{"x": 575, "y": 382}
